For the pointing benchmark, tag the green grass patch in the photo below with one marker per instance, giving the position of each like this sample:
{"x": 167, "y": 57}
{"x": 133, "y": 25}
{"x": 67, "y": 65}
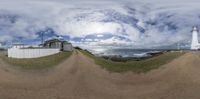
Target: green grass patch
{"x": 135, "y": 66}
{"x": 37, "y": 63}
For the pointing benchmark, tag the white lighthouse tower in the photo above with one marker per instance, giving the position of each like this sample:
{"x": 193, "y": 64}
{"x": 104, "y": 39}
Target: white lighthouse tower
{"x": 195, "y": 43}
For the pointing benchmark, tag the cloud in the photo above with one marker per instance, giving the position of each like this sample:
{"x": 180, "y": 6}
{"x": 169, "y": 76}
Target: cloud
{"x": 143, "y": 24}
{"x": 100, "y": 35}
{"x": 77, "y": 29}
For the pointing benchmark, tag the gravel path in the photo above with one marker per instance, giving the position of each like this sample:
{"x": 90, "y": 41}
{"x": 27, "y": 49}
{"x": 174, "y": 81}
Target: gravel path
{"x": 79, "y": 78}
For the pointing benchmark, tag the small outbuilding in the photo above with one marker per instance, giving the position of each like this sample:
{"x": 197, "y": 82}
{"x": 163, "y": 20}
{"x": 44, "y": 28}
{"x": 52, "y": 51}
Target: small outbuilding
{"x": 18, "y": 45}
{"x": 57, "y": 43}
{"x": 1, "y": 46}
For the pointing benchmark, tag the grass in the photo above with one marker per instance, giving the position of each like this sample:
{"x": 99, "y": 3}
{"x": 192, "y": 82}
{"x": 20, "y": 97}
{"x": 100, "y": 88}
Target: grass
{"x": 37, "y": 63}
{"x": 135, "y": 66}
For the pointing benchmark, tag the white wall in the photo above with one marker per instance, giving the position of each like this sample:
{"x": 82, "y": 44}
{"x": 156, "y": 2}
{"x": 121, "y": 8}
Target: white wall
{"x": 31, "y": 53}
{"x": 68, "y": 47}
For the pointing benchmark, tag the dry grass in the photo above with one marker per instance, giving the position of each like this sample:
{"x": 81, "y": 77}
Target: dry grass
{"x": 37, "y": 63}
{"x": 135, "y": 66}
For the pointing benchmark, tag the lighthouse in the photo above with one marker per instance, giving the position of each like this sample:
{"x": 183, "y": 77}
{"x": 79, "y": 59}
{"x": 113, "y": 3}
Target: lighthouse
{"x": 195, "y": 43}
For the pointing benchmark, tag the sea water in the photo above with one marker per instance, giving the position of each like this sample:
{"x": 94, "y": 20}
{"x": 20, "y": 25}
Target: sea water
{"x": 125, "y": 52}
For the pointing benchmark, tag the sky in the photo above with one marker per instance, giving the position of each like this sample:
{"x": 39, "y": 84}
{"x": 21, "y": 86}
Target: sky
{"x": 100, "y": 23}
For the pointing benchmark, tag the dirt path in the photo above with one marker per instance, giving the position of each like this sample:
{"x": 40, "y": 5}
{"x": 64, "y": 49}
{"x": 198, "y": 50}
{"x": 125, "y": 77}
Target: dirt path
{"x": 79, "y": 78}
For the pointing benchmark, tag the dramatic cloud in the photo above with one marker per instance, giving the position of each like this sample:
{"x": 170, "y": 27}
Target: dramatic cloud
{"x": 127, "y": 23}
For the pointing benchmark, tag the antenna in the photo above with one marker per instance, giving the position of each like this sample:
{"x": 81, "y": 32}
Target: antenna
{"x": 42, "y": 37}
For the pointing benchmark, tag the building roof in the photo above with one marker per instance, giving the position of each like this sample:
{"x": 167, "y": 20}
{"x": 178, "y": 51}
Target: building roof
{"x": 66, "y": 42}
{"x": 55, "y": 40}
{"x": 195, "y": 28}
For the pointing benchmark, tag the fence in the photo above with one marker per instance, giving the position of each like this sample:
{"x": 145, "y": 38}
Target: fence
{"x": 31, "y": 53}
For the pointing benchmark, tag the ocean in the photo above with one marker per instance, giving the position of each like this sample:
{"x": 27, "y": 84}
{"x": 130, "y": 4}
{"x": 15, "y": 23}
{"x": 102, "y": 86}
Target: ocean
{"x": 126, "y": 52}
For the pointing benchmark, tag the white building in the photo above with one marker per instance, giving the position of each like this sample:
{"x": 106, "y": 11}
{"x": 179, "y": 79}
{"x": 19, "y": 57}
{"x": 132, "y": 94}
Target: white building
{"x": 2, "y": 46}
{"x": 195, "y": 45}
{"x": 50, "y": 47}
{"x": 18, "y": 45}
{"x": 58, "y": 43}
